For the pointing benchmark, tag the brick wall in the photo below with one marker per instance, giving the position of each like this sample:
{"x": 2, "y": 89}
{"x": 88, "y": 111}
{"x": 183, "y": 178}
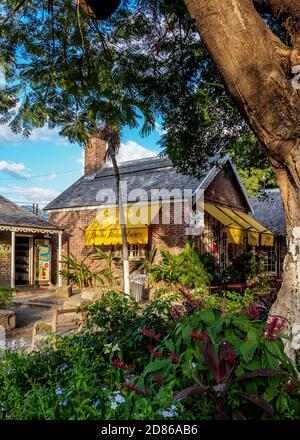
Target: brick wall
{"x": 225, "y": 190}
{"x": 5, "y": 260}
{"x": 164, "y": 236}
{"x": 94, "y": 155}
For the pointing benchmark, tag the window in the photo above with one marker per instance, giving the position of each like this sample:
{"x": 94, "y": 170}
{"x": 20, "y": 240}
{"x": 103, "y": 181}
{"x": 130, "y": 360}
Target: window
{"x": 269, "y": 258}
{"x": 135, "y": 251}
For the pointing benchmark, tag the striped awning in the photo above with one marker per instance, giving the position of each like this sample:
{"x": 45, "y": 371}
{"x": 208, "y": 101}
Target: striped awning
{"x": 237, "y": 222}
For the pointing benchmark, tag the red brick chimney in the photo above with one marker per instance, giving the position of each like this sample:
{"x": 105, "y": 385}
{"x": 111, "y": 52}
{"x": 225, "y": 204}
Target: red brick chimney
{"x": 94, "y": 155}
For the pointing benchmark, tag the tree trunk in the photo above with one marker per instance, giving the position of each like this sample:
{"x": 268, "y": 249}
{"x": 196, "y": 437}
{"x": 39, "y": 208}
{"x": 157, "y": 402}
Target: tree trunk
{"x": 287, "y": 305}
{"x": 256, "y": 65}
{"x": 126, "y": 285}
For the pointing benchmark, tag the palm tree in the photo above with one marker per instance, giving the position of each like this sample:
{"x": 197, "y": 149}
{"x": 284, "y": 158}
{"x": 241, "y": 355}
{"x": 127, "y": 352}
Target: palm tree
{"x": 112, "y": 137}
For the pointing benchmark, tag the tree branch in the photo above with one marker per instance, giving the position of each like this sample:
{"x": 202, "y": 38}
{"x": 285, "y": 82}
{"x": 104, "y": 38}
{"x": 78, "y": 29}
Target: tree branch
{"x": 247, "y": 54}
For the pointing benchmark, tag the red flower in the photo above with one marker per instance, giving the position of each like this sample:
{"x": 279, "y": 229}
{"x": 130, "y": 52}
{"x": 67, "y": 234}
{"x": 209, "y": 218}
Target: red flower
{"x": 229, "y": 355}
{"x": 198, "y": 336}
{"x": 176, "y": 312}
{"x": 117, "y": 363}
{"x": 150, "y": 334}
{"x": 153, "y": 352}
{"x": 137, "y": 391}
{"x": 158, "y": 378}
{"x": 289, "y": 387}
{"x": 186, "y": 295}
{"x": 174, "y": 358}
{"x": 253, "y": 311}
{"x": 274, "y": 326}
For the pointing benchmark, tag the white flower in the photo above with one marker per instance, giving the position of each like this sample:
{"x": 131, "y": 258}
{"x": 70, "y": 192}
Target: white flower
{"x": 120, "y": 399}
{"x": 113, "y": 405}
{"x": 169, "y": 412}
{"x": 194, "y": 365}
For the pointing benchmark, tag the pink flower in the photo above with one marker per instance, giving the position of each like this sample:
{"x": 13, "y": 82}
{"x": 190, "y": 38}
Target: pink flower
{"x": 176, "y": 312}
{"x": 275, "y": 324}
{"x": 137, "y": 391}
{"x": 117, "y": 363}
{"x": 158, "y": 378}
{"x": 198, "y": 336}
{"x": 229, "y": 355}
{"x": 150, "y": 334}
{"x": 174, "y": 358}
{"x": 289, "y": 387}
{"x": 153, "y": 352}
{"x": 253, "y": 311}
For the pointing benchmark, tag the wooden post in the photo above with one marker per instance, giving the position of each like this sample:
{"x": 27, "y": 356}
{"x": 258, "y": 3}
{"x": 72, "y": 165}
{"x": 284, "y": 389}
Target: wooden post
{"x": 59, "y": 258}
{"x": 13, "y": 260}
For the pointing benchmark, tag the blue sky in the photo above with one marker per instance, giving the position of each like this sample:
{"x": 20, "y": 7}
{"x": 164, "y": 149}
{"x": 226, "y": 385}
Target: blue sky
{"x": 23, "y": 161}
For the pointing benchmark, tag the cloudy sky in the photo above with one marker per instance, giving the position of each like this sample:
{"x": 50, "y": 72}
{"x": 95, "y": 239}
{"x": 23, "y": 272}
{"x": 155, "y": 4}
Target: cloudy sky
{"x": 37, "y": 169}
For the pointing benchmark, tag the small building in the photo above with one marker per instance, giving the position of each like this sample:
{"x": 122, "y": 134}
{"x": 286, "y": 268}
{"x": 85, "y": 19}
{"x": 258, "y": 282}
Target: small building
{"x": 26, "y": 243}
{"x": 84, "y": 212}
{"x": 268, "y": 209}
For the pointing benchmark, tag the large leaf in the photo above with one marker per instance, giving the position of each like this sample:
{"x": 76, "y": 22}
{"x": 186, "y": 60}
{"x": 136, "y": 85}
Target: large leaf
{"x": 156, "y": 365}
{"x": 210, "y": 356}
{"x": 262, "y": 372}
{"x": 207, "y": 316}
{"x": 249, "y": 347}
{"x": 191, "y": 391}
{"x": 242, "y": 323}
{"x": 261, "y": 403}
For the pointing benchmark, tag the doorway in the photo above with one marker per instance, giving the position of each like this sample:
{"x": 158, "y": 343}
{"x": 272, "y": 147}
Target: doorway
{"x": 23, "y": 260}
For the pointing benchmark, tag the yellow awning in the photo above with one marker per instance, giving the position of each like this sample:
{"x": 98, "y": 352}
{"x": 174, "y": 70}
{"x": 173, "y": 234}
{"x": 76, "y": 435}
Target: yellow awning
{"x": 221, "y": 216}
{"x": 235, "y": 220}
{"x": 105, "y": 227}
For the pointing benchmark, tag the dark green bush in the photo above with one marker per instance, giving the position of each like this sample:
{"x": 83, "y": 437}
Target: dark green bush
{"x": 158, "y": 362}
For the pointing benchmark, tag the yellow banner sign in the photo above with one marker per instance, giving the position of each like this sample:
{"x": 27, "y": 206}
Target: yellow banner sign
{"x": 114, "y": 236}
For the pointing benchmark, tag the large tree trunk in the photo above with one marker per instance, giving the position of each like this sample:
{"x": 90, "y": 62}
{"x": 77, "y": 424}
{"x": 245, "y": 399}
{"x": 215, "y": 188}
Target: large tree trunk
{"x": 256, "y": 65}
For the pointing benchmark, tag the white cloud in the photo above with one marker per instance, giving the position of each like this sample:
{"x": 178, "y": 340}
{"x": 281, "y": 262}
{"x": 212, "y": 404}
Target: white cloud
{"x": 43, "y": 134}
{"x": 131, "y": 150}
{"x": 29, "y": 195}
{"x": 14, "y": 169}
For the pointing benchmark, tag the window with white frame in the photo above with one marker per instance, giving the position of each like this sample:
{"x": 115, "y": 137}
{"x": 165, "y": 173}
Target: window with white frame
{"x": 135, "y": 251}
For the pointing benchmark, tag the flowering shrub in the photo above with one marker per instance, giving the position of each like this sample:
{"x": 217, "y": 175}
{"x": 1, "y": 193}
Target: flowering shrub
{"x": 152, "y": 363}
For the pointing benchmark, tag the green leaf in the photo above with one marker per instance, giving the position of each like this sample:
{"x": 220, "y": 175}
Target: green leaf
{"x": 282, "y": 403}
{"x": 207, "y": 316}
{"x": 158, "y": 364}
{"x": 249, "y": 347}
{"x": 215, "y": 328}
{"x": 270, "y": 393}
{"x": 242, "y": 323}
{"x": 275, "y": 348}
{"x": 185, "y": 334}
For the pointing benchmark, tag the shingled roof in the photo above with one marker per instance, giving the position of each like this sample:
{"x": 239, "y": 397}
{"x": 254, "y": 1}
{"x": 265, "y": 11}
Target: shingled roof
{"x": 146, "y": 174}
{"x": 268, "y": 210}
{"x": 13, "y": 215}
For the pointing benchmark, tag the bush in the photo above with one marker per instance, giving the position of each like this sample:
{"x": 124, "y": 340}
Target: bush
{"x": 159, "y": 362}
{"x": 189, "y": 269}
{"x": 6, "y": 296}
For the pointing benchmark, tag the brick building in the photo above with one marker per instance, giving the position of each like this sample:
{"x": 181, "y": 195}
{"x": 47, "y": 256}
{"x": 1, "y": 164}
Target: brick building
{"x": 26, "y": 244}
{"x": 87, "y": 212}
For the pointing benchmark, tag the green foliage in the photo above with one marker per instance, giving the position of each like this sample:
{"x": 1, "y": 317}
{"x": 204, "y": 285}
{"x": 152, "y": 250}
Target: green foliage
{"x": 80, "y": 273}
{"x": 188, "y": 269}
{"x": 153, "y": 363}
{"x": 6, "y": 295}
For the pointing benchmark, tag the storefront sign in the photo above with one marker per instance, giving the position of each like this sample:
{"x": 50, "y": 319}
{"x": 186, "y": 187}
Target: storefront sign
{"x": 5, "y": 248}
{"x": 43, "y": 260}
